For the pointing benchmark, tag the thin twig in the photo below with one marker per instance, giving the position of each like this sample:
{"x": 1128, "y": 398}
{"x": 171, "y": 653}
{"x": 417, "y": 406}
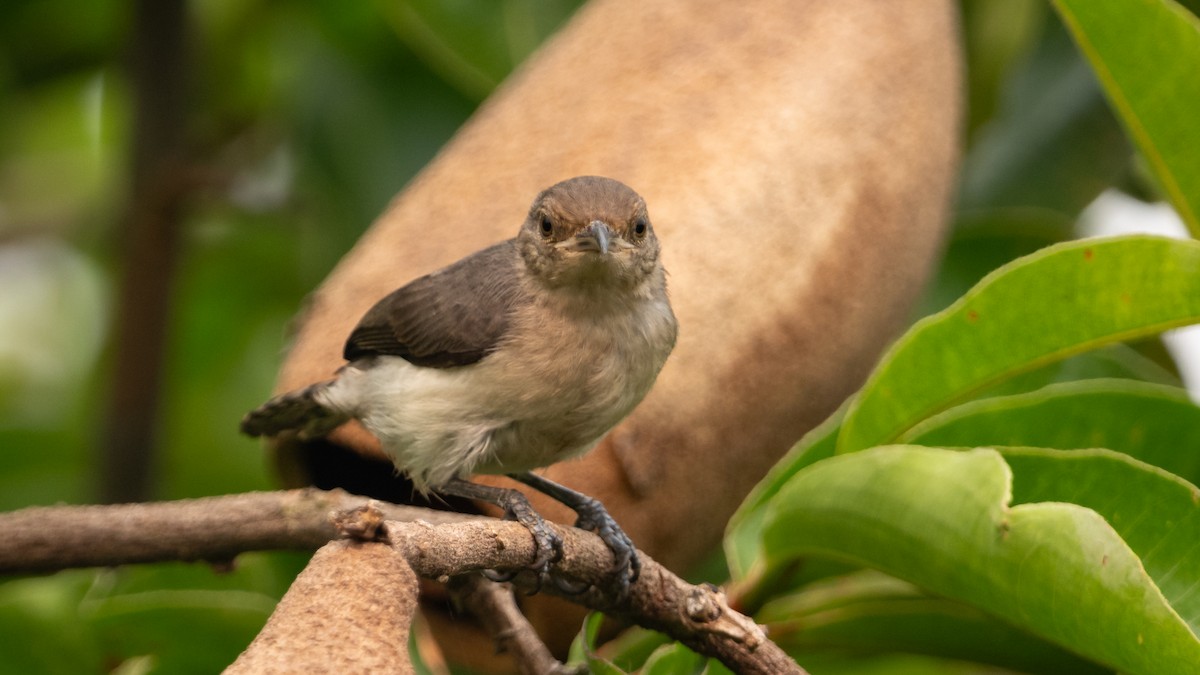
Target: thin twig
{"x": 496, "y": 608}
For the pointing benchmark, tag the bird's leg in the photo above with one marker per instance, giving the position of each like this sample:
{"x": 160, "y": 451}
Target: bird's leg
{"x": 594, "y": 518}
{"x": 516, "y": 507}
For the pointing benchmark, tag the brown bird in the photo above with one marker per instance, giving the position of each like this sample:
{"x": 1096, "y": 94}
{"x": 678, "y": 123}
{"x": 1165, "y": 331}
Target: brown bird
{"x": 516, "y": 357}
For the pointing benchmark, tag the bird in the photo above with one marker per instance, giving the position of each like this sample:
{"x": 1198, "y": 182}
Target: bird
{"x": 518, "y": 356}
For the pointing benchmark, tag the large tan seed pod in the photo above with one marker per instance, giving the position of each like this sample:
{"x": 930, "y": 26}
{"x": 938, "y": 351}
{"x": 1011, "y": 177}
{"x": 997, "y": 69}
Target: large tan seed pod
{"x": 797, "y": 157}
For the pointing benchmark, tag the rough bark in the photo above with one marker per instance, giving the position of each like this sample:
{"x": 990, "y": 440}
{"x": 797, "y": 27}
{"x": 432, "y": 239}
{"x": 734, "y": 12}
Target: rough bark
{"x": 48, "y": 538}
{"x": 353, "y": 606}
{"x": 349, "y": 611}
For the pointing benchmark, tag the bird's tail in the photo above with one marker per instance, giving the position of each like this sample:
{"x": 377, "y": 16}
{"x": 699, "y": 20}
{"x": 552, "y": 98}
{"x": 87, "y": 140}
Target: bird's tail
{"x": 300, "y": 411}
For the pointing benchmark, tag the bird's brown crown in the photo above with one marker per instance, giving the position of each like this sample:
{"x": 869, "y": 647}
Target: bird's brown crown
{"x": 558, "y": 239}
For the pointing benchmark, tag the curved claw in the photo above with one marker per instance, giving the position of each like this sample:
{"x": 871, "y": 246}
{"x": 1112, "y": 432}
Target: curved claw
{"x": 505, "y": 577}
{"x": 627, "y": 567}
{"x": 595, "y": 518}
{"x": 624, "y": 554}
{"x": 498, "y": 576}
{"x": 547, "y": 544}
{"x": 563, "y": 585}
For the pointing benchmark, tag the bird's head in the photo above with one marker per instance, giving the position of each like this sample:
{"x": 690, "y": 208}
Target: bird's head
{"x": 589, "y": 231}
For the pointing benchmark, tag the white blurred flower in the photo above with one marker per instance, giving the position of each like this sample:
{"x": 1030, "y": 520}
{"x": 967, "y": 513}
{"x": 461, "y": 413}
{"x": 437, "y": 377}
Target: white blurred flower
{"x": 53, "y": 310}
{"x": 1114, "y": 212}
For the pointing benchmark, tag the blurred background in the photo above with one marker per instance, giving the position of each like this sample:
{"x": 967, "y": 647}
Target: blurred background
{"x": 175, "y": 178}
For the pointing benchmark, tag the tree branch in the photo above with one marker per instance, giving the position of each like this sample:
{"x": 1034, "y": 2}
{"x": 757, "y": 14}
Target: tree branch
{"x": 496, "y": 608}
{"x": 436, "y": 544}
{"x": 159, "y": 185}
{"x": 48, "y": 538}
{"x": 697, "y": 616}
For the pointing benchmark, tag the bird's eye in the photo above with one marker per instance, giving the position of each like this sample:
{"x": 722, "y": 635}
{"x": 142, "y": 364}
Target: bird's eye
{"x": 547, "y": 226}
{"x": 639, "y": 227}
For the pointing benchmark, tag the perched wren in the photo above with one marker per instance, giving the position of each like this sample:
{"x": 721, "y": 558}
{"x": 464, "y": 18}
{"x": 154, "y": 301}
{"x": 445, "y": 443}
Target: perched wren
{"x": 516, "y": 357}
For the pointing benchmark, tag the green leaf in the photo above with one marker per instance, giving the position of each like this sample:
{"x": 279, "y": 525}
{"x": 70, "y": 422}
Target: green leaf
{"x": 1145, "y": 424}
{"x": 1060, "y": 301}
{"x": 673, "y": 659}
{"x": 985, "y": 239}
{"x": 866, "y": 612}
{"x": 715, "y": 667}
{"x": 583, "y": 648}
{"x": 632, "y": 646}
{"x": 943, "y": 520}
{"x": 42, "y": 627}
{"x": 1145, "y": 53}
{"x": 1157, "y": 514}
{"x": 892, "y": 664}
{"x": 1154, "y": 423}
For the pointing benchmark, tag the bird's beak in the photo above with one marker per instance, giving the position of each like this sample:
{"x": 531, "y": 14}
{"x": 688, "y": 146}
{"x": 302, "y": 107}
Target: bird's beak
{"x": 595, "y": 237}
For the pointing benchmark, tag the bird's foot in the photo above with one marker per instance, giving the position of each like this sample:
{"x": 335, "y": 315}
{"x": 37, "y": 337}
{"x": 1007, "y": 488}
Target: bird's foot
{"x": 626, "y": 568}
{"x": 594, "y": 518}
{"x": 548, "y": 546}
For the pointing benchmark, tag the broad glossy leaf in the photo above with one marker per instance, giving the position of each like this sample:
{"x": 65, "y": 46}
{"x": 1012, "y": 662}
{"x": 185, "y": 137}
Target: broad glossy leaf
{"x": 1112, "y": 361}
{"x": 866, "y": 612}
{"x": 985, "y": 239}
{"x": 1145, "y": 53}
{"x": 1154, "y": 423}
{"x": 744, "y": 531}
{"x": 1061, "y": 301}
{"x": 1156, "y": 513}
{"x": 944, "y": 521}
{"x": 891, "y": 664}
{"x": 144, "y": 610}
{"x": 218, "y": 624}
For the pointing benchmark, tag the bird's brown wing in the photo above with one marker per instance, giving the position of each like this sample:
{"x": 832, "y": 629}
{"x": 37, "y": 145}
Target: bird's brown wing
{"x": 452, "y": 317}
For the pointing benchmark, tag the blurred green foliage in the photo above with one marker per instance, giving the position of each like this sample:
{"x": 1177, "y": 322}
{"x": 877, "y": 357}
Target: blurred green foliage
{"x": 307, "y": 118}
